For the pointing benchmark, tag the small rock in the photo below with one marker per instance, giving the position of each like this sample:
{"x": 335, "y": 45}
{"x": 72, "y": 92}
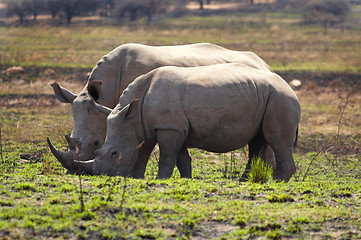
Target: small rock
{"x": 33, "y": 157}
{"x": 14, "y": 70}
{"x": 49, "y": 72}
{"x": 295, "y": 84}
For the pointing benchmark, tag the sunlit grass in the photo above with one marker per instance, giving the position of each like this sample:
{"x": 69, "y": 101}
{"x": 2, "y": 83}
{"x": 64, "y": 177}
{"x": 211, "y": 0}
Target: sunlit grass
{"x": 279, "y": 38}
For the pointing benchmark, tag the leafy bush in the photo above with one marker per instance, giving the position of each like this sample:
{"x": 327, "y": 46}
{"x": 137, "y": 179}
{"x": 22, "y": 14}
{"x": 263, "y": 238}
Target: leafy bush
{"x": 326, "y": 12}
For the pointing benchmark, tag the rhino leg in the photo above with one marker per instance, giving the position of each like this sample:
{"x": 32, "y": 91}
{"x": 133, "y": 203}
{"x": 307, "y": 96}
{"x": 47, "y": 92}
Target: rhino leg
{"x": 170, "y": 143}
{"x": 285, "y": 164}
{"x": 279, "y": 126}
{"x": 143, "y": 157}
{"x": 269, "y": 156}
{"x": 184, "y": 163}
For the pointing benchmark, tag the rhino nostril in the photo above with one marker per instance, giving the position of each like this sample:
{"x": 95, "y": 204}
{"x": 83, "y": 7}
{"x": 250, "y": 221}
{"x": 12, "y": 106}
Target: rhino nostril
{"x": 96, "y": 143}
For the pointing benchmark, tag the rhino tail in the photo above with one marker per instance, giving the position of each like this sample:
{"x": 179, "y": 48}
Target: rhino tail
{"x": 296, "y": 139}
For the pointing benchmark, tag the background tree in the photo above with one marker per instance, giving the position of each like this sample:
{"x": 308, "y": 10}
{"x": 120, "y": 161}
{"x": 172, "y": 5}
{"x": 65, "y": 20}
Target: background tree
{"x": 36, "y": 7}
{"x": 202, "y": 2}
{"x": 109, "y": 5}
{"x": 135, "y": 9}
{"x": 326, "y": 12}
{"x": 129, "y": 8}
{"x": 19, "y": 8}
{"x": 70, "y": 7}
{"x": 53, "y": 7}
{"x": 89, "y": 7}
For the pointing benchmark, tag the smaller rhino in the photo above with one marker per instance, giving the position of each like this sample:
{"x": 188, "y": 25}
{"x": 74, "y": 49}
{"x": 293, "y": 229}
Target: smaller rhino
{"x": 217, "y": 108}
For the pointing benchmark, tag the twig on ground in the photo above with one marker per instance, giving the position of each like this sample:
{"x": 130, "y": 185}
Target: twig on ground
{"x": 342, "y": 109}
{"x": 123, "y": 194}
{"x": 82, "y": 205}
{"x": 312, "y": 160}
{"x": 1, "y": 146}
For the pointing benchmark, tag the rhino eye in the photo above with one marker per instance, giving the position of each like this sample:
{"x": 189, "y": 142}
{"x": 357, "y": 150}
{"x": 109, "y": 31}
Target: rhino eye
{"x": 96, "y": 143}
{"x": 114, "y": 153}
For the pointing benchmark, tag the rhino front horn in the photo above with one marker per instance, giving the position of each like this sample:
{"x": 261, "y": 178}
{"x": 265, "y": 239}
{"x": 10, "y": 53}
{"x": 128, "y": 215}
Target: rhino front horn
{"x": 65, "y": 158}
{"x": 67, "y": 161}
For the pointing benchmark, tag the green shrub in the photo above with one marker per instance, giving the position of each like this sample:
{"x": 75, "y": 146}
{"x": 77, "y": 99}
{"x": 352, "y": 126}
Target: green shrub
{"x": 280, "y": 198}
{"x": 260, "y": 172}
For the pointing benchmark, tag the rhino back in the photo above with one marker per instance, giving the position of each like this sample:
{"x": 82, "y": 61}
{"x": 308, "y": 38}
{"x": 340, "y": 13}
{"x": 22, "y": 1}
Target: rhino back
{"x": 212, "y": 105}
{"x": 124, "y": 64}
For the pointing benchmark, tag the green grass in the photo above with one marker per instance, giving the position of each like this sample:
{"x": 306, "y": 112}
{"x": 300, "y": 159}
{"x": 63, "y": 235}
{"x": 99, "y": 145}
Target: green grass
{"x": 279, "y": 38}
{"x": 209, "y": 205}
{"x": 38, "y": 200}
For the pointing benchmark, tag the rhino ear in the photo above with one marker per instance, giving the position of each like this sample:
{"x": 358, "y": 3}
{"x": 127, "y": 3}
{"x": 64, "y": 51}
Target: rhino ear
{"x": 62, "y": 94}
{"x": 94, "y": 89}
{"x": 132, "y": 109}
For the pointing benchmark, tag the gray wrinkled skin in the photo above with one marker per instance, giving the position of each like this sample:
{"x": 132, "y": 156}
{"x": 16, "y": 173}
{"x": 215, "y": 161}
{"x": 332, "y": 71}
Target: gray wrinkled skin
{"x": 217, "y": 108}
{"x": 116, "y": 70}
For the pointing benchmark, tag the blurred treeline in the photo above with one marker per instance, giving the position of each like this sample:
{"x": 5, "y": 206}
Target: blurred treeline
{"x": 325, "y": 12}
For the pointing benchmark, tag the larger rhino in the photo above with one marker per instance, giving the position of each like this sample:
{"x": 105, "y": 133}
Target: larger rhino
{"x": 117, "y": 70}
{"x": 217, "y": 108}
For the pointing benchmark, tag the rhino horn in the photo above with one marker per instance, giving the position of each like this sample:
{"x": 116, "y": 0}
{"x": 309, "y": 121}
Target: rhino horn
{"x": 72, "y": 142}
{"x": 65, "y": 158}
{"x": 103, "y": 109}
{"x": 67, "y": 161}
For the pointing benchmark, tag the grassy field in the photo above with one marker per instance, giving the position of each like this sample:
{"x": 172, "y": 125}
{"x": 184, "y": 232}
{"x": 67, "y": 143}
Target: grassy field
{"x": 38, "y": 200}
{"x": 281, "y": 39}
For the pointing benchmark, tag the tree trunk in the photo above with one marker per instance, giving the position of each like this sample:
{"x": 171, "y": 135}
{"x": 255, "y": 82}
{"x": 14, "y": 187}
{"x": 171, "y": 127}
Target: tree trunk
{"x": 21, "y": 18}
{"x": 200, "y": 4}
{"x": 133, "y": 14}
{"x": 69, "y": 16}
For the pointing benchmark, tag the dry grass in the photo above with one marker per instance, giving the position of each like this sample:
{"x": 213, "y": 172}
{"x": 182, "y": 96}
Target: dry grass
{"x": 279, "y": 38}
{"x": 38, "y": 87}
{"x": 321, "y": 111}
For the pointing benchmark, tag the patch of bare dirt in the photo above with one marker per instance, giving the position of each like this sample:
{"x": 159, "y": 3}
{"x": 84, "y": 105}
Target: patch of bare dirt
{"x": 31, "y": 74}
{"x": 30, "y": 86}
{"x": 30, "y": 100}
{"x": 331, "y": 80}
{"x": 213, "y": 230}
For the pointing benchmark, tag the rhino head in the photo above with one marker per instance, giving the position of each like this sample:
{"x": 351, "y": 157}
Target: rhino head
{"x": 89, "y": 124}
{"x": 119, "y": 153}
